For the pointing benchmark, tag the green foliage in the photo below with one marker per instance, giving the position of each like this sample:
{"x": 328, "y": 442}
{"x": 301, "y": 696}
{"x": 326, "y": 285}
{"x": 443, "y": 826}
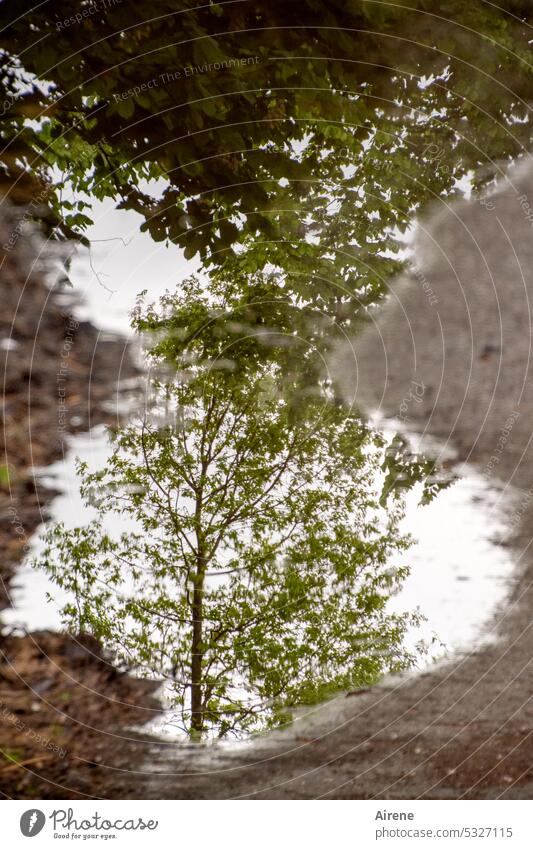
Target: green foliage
{"x": 256, "y": 574}
{"x": 12, "y": 756}
{"x": 403, "y": 469}
{"x": 301, "y": 136}
{"x": 5, "y": 477}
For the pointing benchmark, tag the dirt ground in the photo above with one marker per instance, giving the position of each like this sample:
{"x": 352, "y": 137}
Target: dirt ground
{"x": 59, "y": 377}
{"x": 461, "y": 730}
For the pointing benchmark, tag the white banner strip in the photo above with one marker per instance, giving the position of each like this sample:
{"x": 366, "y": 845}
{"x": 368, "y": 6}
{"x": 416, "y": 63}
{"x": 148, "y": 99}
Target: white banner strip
{"x": 267, "y": 824}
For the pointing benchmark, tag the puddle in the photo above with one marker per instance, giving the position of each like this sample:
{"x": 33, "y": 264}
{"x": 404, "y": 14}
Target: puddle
{"x": 458, "y": 576}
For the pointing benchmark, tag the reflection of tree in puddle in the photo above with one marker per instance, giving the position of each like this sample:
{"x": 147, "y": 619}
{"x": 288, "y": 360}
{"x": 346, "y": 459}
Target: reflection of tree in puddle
{"x": 259, "y": 574}
{"x": 291, "y": 155}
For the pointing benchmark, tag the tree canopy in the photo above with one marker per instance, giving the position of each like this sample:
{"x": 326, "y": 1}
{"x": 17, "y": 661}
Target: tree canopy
{"x": 300, "y": 136}
{"x": 257, "y": 572}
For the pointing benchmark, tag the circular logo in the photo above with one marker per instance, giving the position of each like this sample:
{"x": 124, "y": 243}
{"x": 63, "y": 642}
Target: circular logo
{"x": 32, "y": 822}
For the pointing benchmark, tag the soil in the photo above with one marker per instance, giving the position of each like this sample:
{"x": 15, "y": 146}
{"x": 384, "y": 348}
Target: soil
{"x": 64, "y": 711}
{"x": 60, "y": 377}
{"x": 464, "y": 729}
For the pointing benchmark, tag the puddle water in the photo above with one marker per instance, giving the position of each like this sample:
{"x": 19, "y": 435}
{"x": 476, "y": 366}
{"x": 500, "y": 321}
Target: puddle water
{"x": 458, "y": 575}
{"x": 122, "y": 262}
